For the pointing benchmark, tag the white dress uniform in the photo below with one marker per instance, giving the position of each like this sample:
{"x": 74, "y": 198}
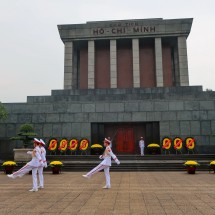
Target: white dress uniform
{"x": 40, "y": 168}
{"x": 33, "y": 165}
{"x": 105, "y": 164}
{"x": 142, "y": 146}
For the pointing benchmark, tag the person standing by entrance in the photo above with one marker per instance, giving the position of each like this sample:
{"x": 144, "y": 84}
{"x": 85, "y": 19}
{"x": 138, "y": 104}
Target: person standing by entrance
{"x": 142, "y": 146}
{"x": 40, "y": 168}
{"x": 105, "y": 164}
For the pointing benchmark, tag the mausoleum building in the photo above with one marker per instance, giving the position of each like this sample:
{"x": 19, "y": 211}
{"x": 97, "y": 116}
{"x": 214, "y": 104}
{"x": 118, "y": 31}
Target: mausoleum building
{"x": 123, "y": 79}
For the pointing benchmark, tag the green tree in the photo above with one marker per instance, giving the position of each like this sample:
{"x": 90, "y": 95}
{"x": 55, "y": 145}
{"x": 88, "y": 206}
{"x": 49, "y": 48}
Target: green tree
{"x": 3, "y": 112}
{"x": 26, "y": 134}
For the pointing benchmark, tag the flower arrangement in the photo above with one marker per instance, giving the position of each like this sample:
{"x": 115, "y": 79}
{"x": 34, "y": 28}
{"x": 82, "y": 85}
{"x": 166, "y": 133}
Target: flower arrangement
{"x": 153, "y": 145}
{"x": 9, "y": 163}
{"x": 96, "y": 149}
{"x": 166, "y": 143}
{"x": 63, "y": 145}
{"x": 55, "y": 163}
{"x": 73, "y": 144}
{"x": 191, "y": 163}
{"x": 190, "y": 144}
{"x": 52, "y": 145}
{"x": 96, "y": 146}
{"x": 191, "y": 166}
{"x": 56, "y": 166}
{"x": 9, "y": 166}
{"x": 212, "y": 165}
{"x": 153, "y": 148}
{"x": 178, "y": 144}
{"x": 84, "y": 143}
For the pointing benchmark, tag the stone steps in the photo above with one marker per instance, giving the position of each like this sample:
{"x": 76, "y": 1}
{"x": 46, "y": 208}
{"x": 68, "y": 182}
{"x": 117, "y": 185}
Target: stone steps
{"x": 131, "y": 163}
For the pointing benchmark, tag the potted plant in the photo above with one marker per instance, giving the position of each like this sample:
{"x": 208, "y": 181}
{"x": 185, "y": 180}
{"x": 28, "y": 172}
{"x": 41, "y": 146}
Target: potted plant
{"x": 26, "y": 134}
{"x": 212, "y": 165}
{"x": 9, "y": 166}
{"x": 154, "y": 148}
{"x": 191, "y": 166}
{"x": 56, "y": 166}
{"x": 96, "y": 149}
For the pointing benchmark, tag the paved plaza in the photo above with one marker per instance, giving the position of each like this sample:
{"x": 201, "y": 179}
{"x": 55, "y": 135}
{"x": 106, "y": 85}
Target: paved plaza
{"x": 131, "y": 193}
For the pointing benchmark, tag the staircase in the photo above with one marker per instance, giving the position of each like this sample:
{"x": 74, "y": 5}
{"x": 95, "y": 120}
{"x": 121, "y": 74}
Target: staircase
{"x": 172, "y": 162}
{"x": 130, "y": 163}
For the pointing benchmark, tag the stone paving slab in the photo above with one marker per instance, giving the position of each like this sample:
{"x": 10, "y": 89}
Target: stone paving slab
{"x": 169, "y": 193}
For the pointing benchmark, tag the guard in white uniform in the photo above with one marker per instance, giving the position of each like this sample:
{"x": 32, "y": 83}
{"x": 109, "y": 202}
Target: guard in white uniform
{"x": 40, "y": 168}
{"x": 110, "y": 142}
{"x": 35, "y": 162}
{"x": 142, "y": 146}
{"x": 105, "y": 164}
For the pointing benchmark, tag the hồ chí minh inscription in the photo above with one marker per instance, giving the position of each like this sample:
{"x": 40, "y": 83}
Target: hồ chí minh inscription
{"x": 123, "y": 30}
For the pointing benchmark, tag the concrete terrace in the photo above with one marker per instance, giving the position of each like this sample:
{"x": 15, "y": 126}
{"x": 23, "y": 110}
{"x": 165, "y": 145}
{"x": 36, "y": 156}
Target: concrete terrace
{"x": 131, "y": 193}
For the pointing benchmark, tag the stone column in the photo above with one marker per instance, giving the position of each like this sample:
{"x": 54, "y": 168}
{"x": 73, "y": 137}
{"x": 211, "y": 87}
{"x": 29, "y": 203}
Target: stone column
{"x": 91, "y": 64}
{"x": 136, "y": 63}
{"x": 68, "y": 65}
{"x": 113, "y": 64}
{"x": 182, "y": 60}
{"x": 158, "y": 62}
{"x": 177, "y": 77}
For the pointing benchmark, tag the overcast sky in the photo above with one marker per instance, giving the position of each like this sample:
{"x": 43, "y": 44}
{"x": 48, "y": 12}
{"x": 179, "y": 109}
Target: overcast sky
{"x": 31, "y": 51}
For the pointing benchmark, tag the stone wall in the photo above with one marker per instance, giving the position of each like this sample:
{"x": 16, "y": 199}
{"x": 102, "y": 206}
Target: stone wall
{"x": 181, "y": 111}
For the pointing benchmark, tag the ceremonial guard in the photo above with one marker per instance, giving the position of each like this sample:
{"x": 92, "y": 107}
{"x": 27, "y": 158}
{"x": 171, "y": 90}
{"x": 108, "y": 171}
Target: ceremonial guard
{"x": 142, "y": 146}
{"x": 110, "y": 142}
{"x": 33, "y": 165}
{"x": 40, "y": 168}
{"x": 105, "y": 164}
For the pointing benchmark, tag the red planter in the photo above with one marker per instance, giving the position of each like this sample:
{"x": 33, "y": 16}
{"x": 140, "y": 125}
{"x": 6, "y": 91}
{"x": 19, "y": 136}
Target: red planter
{"x": 56, "y": 169}
{"x": 8, "y": 169}
{"x": 191, "y": 169}
{"x": 213, "y": 167}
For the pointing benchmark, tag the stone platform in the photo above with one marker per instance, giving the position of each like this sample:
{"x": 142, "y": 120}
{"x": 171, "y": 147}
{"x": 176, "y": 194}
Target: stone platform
{"x": 145, "y": 193}
{"x": 132, "y": 163}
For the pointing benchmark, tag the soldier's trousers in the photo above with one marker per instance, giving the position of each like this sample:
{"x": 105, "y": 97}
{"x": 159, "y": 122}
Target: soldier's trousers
{"x": 41, "y": 178}
{"x": 26, "y": 169}
{"x": 99, "y": 168}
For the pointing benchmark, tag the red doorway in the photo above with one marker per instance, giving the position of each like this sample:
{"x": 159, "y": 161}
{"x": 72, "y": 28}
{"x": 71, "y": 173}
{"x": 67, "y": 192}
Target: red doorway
{"x": 125, "y": 140}
{"x": 125, "y": 136}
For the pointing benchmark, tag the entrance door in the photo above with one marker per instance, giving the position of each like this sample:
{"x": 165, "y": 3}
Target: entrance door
{"x": 125, "y": 140}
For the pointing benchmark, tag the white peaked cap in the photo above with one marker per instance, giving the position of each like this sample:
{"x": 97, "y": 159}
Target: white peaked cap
{"x": 36, "y": 140}
{"x": 107, "y": 140}
{"x": 42, "y": 142}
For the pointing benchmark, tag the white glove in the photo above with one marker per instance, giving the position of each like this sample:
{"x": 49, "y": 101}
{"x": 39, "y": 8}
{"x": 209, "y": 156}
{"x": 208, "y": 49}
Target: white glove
{"x": 29, "y": 152}
{"x": 45, "y": 165}
{"x": 100, "y": 157}
{"x": 117, "y": 161}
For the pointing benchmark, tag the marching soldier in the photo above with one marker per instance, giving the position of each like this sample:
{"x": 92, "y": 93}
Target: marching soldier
{"x": 105, "y": 164}
{"x": 40, "y": 168}
{"x": 33, "y": 165}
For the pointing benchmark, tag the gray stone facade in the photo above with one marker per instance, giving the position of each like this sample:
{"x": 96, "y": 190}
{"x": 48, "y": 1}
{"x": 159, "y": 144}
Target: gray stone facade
{"x": 180, "y": 111}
